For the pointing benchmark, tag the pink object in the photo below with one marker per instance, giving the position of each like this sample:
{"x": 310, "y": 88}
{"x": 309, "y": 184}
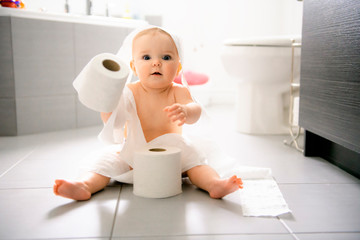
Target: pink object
{"x": 192, "y": 78}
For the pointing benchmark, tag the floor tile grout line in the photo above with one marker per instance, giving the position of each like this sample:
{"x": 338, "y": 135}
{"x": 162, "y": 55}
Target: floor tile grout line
{"x": 25, "y": 188}
{"x": 326, "y": 232}
{"x": 116, "y": 211}
{"x": 288, "y": 228}
{"x": 295, "y": 237}
{"x": 33, "y": 188}
{"x": 319, "y": 183}
{"x": 202, "y": 235}
{"x": 14, "y": 165}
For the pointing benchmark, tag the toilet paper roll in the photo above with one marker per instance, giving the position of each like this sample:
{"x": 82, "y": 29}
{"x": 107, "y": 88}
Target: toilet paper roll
{"x": 157, "y": 172}
{"x": 101, "y": 82}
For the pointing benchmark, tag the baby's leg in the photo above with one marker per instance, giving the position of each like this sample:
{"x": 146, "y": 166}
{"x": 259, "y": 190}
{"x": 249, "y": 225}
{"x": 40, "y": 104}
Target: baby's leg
{"x": 206, "y": 178}
{"x": 80, "y": 190}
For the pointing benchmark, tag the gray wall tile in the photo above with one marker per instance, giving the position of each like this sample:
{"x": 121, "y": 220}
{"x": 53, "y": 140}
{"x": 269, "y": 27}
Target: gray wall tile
{"x": 42, "y": 114}
{"x": 91, "y": 40}
{"x": 8, "y": 117}
{"x": 43, "y": 57}
{"x": 6, "y": 60}
{"x": 85, "y": 116}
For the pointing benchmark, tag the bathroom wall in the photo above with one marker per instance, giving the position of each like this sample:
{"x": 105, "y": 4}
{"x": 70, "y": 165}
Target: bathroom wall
{"x": 203, "y": 26}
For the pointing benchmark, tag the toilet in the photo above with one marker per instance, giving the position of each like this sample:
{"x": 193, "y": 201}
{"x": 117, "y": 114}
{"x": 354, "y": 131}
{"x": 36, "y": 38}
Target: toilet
{"x": 262, "y": 69}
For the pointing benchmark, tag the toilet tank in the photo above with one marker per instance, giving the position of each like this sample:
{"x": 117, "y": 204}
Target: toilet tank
{"x": 260, "y": 59}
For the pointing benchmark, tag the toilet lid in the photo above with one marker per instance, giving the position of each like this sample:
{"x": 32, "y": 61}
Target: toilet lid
{"x": 274, "y": 41}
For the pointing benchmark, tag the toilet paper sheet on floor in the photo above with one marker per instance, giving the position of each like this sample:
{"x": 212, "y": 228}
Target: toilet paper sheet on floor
{"x": 261, "y": 195}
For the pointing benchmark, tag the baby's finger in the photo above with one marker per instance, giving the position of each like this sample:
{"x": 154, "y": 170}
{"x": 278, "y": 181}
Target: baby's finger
{"x": 181, "y": 122}
{"x": 175, "y": 112}
{"x": 172, "y": 107}
{"x": 181, "y": 118}
{"x": 171, "y": 116}
{"x": 175, "y": 117}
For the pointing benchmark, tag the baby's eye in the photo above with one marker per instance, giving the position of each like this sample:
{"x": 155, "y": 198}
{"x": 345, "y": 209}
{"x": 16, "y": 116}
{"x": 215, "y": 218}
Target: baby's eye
{"x": 146, "y": 57}
{"x": 167, "y": 57}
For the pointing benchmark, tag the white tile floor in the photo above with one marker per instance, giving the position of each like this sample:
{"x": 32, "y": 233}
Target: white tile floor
{"x": 325, "y": 201}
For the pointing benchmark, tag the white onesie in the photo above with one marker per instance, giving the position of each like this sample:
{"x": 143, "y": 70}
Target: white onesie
{"x": 114, "y": 161}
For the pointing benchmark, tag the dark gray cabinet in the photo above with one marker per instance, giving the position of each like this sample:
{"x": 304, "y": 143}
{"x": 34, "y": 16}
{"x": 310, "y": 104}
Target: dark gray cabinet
{"x": 330, "y": 81}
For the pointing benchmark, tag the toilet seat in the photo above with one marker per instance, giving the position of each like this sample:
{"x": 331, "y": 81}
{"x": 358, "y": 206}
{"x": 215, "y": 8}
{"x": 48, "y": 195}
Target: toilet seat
{"x": 273, "y": 41}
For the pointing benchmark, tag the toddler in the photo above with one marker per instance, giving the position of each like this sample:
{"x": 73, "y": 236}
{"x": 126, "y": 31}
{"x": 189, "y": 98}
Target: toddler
{"x": 152, "y": 110}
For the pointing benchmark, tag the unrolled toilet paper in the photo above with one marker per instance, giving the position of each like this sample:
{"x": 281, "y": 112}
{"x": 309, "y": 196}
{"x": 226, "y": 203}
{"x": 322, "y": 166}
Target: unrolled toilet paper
{"x": 261, "y": 195}
{"x": 101, "y": 82}
{"x": 157, "y": 172}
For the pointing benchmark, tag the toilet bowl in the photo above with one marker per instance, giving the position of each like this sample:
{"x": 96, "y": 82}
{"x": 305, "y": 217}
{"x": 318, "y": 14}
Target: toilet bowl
{"x": 262, "y": 68}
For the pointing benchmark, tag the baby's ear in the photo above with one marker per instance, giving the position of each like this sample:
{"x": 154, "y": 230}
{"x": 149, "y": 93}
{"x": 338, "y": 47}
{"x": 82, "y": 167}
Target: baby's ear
{"x": 179, "y": 69}
{"x": 132, "y": 66}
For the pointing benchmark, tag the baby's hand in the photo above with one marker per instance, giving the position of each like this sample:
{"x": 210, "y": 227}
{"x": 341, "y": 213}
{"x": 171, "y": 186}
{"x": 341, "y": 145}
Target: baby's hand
{"x": 177, "y": 112}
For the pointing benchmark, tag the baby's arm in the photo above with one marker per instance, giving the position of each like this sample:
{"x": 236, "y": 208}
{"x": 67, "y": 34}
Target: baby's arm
{"x": 185, "y": 110}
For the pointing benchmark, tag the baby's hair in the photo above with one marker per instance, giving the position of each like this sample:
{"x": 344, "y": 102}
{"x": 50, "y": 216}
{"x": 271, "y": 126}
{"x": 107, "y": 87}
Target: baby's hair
{"x": 154, "y": 31}
{"x": 151, "y": 30}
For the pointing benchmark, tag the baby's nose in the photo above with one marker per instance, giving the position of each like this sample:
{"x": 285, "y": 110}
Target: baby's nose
{"x": 156, "y": 63}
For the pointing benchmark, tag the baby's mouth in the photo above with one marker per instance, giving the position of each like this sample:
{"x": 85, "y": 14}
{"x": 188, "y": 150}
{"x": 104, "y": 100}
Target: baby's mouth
{"x": 156, "y": 73}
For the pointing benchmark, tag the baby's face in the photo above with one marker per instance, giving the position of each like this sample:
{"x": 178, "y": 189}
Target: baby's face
{"x": 155, "y": 59}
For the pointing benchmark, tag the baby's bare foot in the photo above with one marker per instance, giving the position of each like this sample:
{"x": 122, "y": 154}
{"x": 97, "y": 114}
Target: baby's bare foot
{"x": 224, "y": 187}
{"x": 72, "y": 190}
